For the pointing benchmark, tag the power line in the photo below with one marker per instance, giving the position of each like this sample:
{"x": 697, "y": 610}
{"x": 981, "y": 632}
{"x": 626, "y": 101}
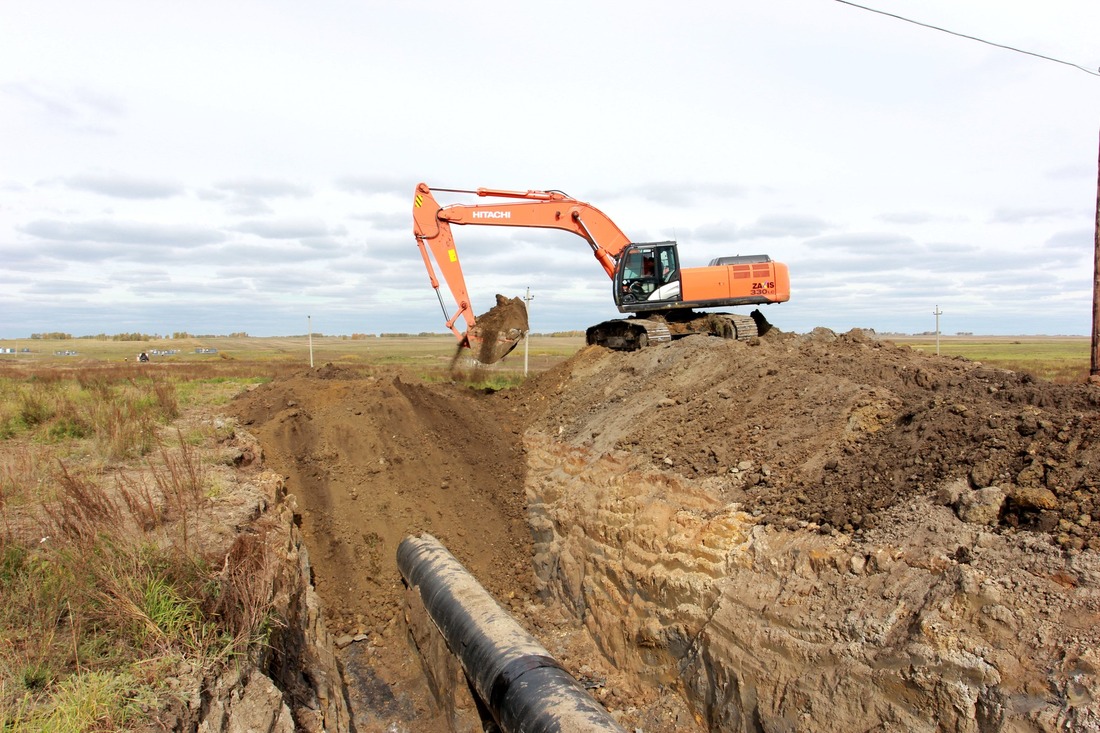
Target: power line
{"x": 972, "y": 38}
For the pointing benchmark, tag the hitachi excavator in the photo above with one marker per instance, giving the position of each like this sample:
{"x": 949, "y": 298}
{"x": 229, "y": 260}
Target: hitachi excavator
{"x": 647, "y": 278}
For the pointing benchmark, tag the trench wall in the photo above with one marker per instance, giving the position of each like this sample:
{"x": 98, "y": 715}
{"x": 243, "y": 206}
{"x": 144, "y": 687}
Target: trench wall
{"x": 294, "y": 683}
{"x": 775, "y": 629}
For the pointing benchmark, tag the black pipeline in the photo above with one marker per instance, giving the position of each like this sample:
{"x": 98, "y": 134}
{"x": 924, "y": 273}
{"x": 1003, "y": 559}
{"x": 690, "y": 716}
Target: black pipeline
{"x": 523, "y": 687}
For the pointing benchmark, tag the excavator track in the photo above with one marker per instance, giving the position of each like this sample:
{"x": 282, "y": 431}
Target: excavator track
{"x": 628, "y": 334}
{"x": 732, "y": 326}
{"x": 631, "y": 334}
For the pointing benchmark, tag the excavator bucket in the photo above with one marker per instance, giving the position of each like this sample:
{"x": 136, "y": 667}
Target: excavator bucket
{"x": 497, "y": 331}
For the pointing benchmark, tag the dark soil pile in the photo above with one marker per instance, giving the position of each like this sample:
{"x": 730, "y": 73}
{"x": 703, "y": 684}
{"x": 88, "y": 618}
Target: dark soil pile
{"x": 831, "y": 429}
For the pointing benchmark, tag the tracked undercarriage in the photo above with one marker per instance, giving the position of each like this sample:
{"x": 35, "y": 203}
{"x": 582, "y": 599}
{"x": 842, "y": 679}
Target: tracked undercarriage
{"x": 648, "y": 329}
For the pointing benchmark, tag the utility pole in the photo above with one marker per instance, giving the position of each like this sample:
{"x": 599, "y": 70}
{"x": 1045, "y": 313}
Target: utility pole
{"x": 937, "y": 313}
{"x": 1094, "y": 369}
{"x": 527, "y": 305}
{"x": 309, "y": 321}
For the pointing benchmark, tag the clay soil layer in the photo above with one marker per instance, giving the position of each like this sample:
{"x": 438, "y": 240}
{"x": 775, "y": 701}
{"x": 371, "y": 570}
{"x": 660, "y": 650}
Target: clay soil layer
{"x": 799, "y": 532}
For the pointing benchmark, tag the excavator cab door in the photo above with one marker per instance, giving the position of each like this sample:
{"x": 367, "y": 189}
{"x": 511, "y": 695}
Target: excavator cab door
{"x": 647, "y": 276}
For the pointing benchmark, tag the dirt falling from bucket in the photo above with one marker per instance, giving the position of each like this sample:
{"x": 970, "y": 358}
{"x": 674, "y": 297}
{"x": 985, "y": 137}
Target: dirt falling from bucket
{"x": 497, "y": 331}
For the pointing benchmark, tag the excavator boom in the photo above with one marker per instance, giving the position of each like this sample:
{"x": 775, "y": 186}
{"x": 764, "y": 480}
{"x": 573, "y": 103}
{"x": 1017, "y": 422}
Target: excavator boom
{"x": 543, "y": 209}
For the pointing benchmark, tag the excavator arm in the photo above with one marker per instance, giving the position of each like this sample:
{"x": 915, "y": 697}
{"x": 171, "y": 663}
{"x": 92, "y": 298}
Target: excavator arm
{"x": 542, "y": 209}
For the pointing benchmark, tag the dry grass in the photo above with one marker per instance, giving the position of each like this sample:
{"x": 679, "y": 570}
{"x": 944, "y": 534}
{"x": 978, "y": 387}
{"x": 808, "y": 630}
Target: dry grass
{"x": 103, "y": 591}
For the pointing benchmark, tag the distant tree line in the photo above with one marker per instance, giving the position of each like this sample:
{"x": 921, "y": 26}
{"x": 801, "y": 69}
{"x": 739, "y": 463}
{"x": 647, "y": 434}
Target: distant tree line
{"x": 186, "y": 335}
{"x": 121, "y": 337}
{"x": 59, "y": 336}
{"x": 125, "y": 337}
{"x": 135, "y": 336}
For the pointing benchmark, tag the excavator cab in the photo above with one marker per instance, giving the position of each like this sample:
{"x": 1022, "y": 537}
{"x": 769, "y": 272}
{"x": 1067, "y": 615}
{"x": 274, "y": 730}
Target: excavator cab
{"x": 647, "y": 276}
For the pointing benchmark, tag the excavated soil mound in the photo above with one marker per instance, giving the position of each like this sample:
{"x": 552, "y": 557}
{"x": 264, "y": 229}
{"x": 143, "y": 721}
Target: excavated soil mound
{"x": 833, "y": 429}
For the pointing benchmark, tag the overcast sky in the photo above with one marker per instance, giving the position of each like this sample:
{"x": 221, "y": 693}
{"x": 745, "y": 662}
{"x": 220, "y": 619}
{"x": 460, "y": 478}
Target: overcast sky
{"x": 215, "y": 167}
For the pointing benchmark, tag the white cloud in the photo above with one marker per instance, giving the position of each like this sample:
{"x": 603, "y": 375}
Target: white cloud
{"x": 287, "y": 228}
{"x": 257, "y": 160}
{"x": 122, "y": 186}
{"x": 1018, "y": 215}
{"x": 79, "y": 108}
{"x": 374, "y": 184}
{"x": 263, "y": 187}
{"x": 122, "y": 232}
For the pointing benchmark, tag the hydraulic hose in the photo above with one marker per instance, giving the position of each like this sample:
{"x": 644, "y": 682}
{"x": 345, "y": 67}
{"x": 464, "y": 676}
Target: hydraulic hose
{"x": 522, "y": 686}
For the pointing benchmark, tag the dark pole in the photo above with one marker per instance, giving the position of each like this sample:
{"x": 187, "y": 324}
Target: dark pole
{"x": 1095, "y": 368}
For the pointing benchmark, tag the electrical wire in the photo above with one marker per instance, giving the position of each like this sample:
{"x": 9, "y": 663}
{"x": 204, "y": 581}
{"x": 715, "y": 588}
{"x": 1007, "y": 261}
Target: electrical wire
{"x": 972, "y": 38}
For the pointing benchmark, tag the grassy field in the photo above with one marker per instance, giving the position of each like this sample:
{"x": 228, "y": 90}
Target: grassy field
{"x": 1060, "y": 359}
{"x": 1054, "y": 358}
{"x": 427, "y": 350}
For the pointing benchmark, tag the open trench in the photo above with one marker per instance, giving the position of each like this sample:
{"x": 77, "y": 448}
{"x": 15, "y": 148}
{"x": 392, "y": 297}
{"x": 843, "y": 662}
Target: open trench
{"x": 762, "y": 629}
{"x": 665, "y": 594}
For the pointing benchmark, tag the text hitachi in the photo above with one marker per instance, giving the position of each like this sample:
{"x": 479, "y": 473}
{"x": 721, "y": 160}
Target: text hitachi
{"x": 492, "y": 215}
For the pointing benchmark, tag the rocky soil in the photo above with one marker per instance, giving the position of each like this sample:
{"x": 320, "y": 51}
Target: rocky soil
{"x": 799, "y": 532}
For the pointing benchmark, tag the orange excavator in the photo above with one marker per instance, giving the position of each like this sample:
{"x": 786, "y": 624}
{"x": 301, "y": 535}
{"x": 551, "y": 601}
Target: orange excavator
{"x": 647, "y": 278}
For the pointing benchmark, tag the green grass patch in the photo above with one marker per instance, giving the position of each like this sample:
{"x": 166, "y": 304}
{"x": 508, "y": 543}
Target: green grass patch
{"x": 215, "y": 391}
{"x": 89, "y": 701}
